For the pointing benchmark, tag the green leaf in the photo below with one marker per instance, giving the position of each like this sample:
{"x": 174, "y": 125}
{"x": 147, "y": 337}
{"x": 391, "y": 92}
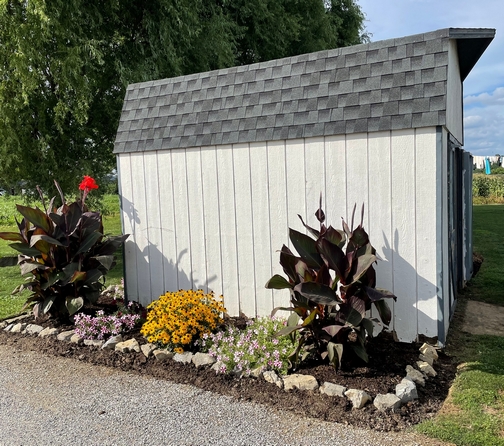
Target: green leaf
{"x": 36, "y": 217}
{"x": 360, "y": 351}
{"x": 106, "y": 261}
{"x": 364, "y": 262}
{"x": 333, "y": 256}
{"x": 287, "y": 330}
{"x": 376, "y": 294}
{"x": 335, "y": 353}
{"x": 47, "y": 304}
{"x": 293, "y": 320}
{"x": 335, "y": 236}
{"x": 278, "y": 282}
{"x": 317, "y": 292}
{"x": 25, "y": 249}
{"x": 368, "y": 326}
{"x": 12, "y": 236}
{"x": 310, "y": 318}
{"x": 306, "y": 248}
{"x": 28, "y": 267}
{"x": 354, "y": 310}
{"x": 93, "y": 276}
{"x": 333, "y": 330}
{"x": 89, "y": 242}
{"x": 288, "y": 261}
{"x": 74, "y": 304}
{"x": 359, "y": 237}
{"x": 274, "y": 311}
{"x": 112, "y": 244}
{"x": 36, "y": 238}
{"x": 383, "y": 311}
{"x": 78, "y": 276}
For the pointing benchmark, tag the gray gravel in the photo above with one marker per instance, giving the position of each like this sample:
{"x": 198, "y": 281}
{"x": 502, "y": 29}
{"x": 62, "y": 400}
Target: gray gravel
{"x": 59, "y": 401}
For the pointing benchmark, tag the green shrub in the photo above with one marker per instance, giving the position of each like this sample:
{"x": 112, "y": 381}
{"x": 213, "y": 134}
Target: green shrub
{"x": 332, "y": 284}
{"x": 64, "y": 253}
{"x": 489, "y": 187}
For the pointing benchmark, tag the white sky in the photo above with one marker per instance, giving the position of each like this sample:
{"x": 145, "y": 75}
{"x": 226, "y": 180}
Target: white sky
{"x": 484, "y": 87}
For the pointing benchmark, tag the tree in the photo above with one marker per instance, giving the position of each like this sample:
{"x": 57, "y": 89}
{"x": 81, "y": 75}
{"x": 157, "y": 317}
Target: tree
{"x": 65, "y": 65}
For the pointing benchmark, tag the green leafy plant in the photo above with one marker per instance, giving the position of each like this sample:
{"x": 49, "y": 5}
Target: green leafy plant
{"x": 256, "y": 347}
{"x": 64, "y": 253}
{"x": 332, "y": 283}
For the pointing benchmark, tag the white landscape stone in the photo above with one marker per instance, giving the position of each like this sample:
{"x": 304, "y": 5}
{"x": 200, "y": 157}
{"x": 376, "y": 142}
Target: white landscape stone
{"x": 9, "y": 327}
{"x": 33, "y": 329}
{"x": 184, "y": 358}
{"x": 257, "y": 372}
{"x": 111, "y": 342}
{"x": 301, "y": 382}
{"x": 406, "y": 390}
{"x": 18, "y": 328}
{"x": 75, "y": 339}
{"x": 65, "y": 335}
{"x": 416, "y": 376}
{"x": 3, "y": 324}
{"x": 94, "y": 342}
{"x": 332, "y": 389}
{"x": 147, "y": 349}
{"x": 200, "y": 359}
{"x": 162, "y": 354}
{"x": 429, "y": 350}
{"x": 359, "y": 398}
{"x": 426, "y": 368}
{"x": 129, "y": 346}
{"x": 271, "y": 377}
{"x": 388, "y": 401}
{"x": 46, "y": 332}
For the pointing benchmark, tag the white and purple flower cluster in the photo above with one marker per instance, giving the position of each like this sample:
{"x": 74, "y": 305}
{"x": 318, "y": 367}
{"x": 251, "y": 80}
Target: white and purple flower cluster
{"x": 102, "y": 326}
{"x": 252, "y": 348}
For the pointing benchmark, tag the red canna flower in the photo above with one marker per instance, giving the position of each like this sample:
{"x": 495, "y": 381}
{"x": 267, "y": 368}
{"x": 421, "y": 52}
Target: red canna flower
{"x": 88, "y": 183}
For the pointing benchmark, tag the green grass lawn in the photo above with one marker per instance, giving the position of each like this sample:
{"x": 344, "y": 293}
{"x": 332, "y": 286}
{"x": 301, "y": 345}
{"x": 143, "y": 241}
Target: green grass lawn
{"x": 10, "y": 277}
{"x": 473, "y": 414}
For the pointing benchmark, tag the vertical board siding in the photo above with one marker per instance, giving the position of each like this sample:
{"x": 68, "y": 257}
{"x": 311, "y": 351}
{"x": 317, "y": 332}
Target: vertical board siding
{"x": 380, "y": 211}
{"x": 183, "y": 246}
{"x": 128, "y": 219}
{"x": 403, "y": 224}
{"x": 425, "y": 232}
{"x": 211, "y": 200}
{"x": 142, "y": 227}
{"x": 277, "y": 180}
{"x": 167, "y": 217}
{"x": 227, "y": 218}
{"x": 244, "y": 232}
{"x": 261, "y": 227}
{"x": 154, "y": 252}
{"x": 224, "y": 213}
{"x": 336, "y": 180}
{"x": 196, "y": 209}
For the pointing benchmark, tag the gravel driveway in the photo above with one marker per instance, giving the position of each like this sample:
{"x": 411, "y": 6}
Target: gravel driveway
{"x": 58, "y": 401}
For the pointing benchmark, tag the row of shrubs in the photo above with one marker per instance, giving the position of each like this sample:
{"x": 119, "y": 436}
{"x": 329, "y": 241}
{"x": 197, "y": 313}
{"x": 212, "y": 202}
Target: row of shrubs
{"x": 488, "y": 189}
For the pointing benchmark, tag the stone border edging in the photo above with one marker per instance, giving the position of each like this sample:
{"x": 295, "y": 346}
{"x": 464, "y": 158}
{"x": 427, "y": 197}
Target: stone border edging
{"x": 406, "y": 390}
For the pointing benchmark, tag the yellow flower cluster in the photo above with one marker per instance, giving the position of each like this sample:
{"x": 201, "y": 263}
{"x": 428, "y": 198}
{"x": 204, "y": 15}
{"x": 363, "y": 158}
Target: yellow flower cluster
{"x": 178, "y": 318}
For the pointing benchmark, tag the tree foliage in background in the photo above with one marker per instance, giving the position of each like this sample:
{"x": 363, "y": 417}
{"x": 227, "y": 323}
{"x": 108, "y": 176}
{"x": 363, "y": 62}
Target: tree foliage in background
{"x": 65, "y": 64}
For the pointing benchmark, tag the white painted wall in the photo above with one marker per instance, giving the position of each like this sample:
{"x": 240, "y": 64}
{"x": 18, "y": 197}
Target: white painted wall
{"x": 216, "y": 217}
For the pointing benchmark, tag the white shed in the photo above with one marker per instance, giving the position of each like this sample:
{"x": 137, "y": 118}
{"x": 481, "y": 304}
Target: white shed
{"x": 214, "y": 167}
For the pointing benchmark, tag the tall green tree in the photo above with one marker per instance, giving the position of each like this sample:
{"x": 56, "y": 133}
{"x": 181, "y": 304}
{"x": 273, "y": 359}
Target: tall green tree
{"x": 65, "y": 64}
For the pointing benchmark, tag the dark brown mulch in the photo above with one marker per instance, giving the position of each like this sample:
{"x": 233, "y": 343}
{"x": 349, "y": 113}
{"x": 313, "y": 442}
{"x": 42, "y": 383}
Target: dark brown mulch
{"x": 386, "y": 368}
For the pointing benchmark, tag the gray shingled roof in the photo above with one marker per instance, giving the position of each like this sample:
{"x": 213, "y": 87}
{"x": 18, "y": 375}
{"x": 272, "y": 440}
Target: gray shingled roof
{"x": 386, "y": 85}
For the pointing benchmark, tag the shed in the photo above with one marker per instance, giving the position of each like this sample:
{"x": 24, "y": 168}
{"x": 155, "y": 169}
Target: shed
{"x": 214, "y": 167}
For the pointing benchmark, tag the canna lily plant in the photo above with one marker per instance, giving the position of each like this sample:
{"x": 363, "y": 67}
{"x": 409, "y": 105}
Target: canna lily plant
{"x": 63, "y": 252}
{"x": 332, "y": 283}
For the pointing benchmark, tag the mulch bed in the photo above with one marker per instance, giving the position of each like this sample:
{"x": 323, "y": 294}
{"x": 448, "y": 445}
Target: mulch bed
{"x": 386, "y": 368}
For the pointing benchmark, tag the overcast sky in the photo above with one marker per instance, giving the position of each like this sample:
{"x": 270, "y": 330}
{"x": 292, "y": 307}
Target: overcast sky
{"x": 484, "y": 87}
